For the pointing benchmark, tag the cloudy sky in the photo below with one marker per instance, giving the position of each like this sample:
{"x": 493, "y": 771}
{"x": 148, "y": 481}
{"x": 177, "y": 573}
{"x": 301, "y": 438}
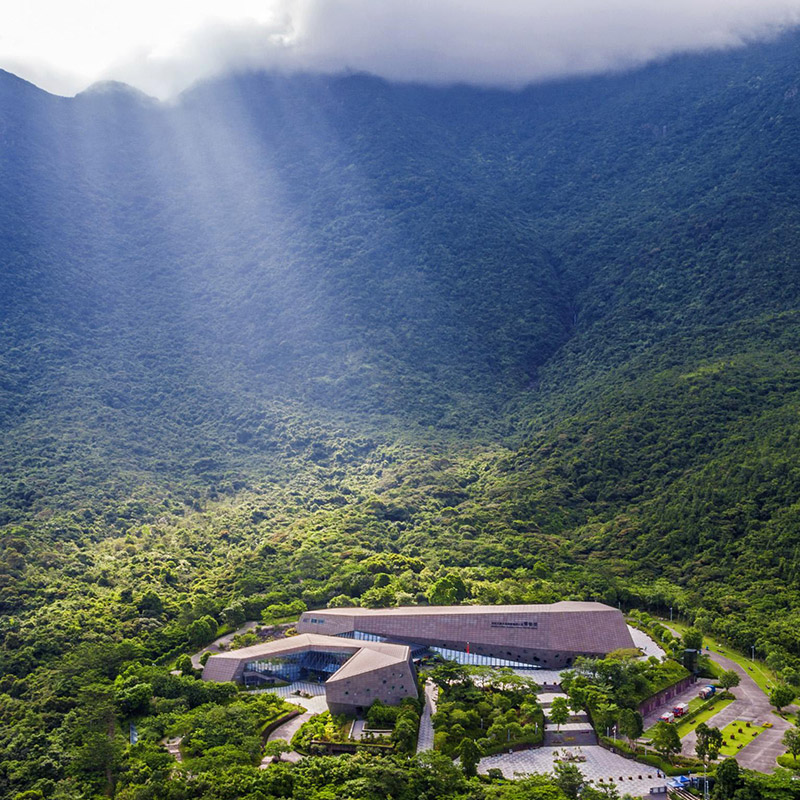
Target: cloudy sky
{"x": 162, "y": 46}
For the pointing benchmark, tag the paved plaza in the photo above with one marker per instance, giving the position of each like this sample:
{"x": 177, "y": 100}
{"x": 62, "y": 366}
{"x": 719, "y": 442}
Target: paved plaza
{"x": 629, "y": 776}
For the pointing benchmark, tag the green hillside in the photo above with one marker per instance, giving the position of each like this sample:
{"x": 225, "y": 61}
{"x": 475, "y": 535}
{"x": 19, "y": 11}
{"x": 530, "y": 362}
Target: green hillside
{"x": 294, "y": 340}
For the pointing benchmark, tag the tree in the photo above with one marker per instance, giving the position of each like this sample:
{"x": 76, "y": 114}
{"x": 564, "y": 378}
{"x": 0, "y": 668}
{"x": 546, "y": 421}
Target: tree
{"x": 602, "y": 791}
{"x": 559, "y": 712}
{"x": 448, "y": 673}
{"x": 631, "y": 724}
{"x": 693, "y": 639}
{"x": 729, "y": 679}
{"x": 341, "y": 601}
{"x": 234, "y": 615}
{"x": 184, "y": 664}
{"x": 150, "y": 604}
{"x": 666, "y": 740}
{"x": 276, "y": 748}
{"x": 709, "y": 742}
{"x": 569, "y": 779}
{"x": 470, "y": 756}
{"x": 791, "y": 741}
{"x": 781, "y": 696}
{"x": 200, "y": 632}
{"x": 727, "y": 779}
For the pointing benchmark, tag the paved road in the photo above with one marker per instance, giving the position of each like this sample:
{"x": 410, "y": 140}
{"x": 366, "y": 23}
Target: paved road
{"x": 751, "y": 705}
{"x": 215, "y": 647}
{"x": 682, "y": 697}
{"x": 425, "y": 740}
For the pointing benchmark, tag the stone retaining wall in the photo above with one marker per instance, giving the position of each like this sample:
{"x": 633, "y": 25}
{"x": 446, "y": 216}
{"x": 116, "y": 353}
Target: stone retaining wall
{"x": 658, "y": 699}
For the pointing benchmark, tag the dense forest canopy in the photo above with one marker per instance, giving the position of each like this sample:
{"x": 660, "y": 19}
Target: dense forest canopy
{"x": 298, "y": 340}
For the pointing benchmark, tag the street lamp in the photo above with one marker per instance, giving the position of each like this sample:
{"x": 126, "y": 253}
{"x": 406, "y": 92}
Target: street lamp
{"x": 670, "y": 613}
{"x": 753, "y": 652}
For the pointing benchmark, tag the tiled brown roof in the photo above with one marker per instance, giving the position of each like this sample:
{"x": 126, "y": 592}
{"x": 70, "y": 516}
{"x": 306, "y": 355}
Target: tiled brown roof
{"x": 582, "y": 606}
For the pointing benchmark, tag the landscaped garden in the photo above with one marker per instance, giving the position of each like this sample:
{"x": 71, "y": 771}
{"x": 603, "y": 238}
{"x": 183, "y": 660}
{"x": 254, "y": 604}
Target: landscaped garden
{"x": 489, "y": 709}
{"x": 322, "y": 728}
{"x": 738, "y": 734}
{"x": 390, "y": 727}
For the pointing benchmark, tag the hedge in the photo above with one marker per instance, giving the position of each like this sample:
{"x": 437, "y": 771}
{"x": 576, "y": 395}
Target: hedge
{"x": 680, "y": 766}
{"x": 788, "y": 761}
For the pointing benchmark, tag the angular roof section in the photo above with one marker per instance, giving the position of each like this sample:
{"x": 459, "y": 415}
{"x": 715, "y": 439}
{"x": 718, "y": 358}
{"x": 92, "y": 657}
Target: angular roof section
{"x": 583, "y": 606}
{"x": 365, "y": 660}
{"x": 366, "y": 655}
{"x": 543, "y": 633}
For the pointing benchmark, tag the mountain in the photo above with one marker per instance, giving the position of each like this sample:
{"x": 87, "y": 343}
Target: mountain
{"x": 287, "y": 334}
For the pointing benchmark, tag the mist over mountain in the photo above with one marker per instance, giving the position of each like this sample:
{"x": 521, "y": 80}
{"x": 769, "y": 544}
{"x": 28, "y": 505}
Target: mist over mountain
{"x": 286, "y": 332}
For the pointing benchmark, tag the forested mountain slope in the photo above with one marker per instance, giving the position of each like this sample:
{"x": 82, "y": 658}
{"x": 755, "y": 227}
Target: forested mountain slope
{"x": 292, "y": 338}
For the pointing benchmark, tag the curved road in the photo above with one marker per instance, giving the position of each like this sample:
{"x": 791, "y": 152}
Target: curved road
{"x": 751, "y": 705}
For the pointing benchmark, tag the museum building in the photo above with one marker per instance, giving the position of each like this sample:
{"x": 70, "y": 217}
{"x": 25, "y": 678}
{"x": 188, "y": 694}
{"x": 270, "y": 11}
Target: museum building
{"x": 366, "y": 654}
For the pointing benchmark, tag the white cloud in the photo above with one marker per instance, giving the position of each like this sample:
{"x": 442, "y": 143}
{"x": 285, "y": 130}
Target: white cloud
{"x": 161, "y": 47}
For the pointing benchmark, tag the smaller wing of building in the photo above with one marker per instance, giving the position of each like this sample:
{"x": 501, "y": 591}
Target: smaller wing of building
{"x": 355, "y": 673}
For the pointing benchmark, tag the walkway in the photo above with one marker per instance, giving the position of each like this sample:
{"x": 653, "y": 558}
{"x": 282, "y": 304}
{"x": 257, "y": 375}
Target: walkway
{"x": 600, "y": 765}
{"x": 285, "y": 732}
{"x": 173, "y": 747}
{"x": 577, "y": 731}
{"x": 218, "y": 645}
{"x": 425, "y": 740}
{"x": 645, "y": 643}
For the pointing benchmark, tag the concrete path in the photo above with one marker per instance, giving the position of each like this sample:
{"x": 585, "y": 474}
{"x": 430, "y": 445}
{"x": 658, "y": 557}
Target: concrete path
{"x": 313, "y": 705}
{"x": 645, "y": 643}
{"x": 546, "y": 698}
{"x": 173, "y": 747}
{"x": 569, "y": 726}
{"x": 425, "y": 739}
{"x": 218, "y": 644}
{"x": 600, "y": 765}
{"x": 290, "y": 727}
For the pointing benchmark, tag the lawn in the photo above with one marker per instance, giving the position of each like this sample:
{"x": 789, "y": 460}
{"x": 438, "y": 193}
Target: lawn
{"x": 731, "y": 747}
{"x": 760, "y": 673}
{"x": 703, "y": 716}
